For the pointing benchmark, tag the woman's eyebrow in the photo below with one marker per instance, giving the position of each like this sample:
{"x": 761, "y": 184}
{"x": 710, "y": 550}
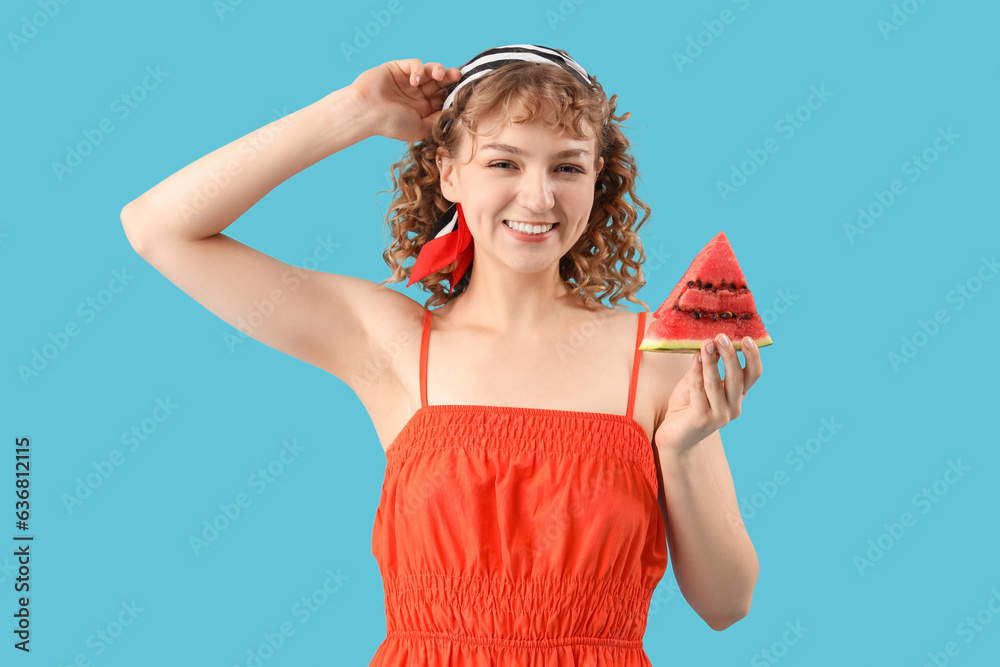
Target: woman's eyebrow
{"x": 514, "y": 150}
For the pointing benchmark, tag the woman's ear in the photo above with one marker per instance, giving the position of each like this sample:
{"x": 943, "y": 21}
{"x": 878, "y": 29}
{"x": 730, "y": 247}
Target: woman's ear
{"x": 446, "y": 175}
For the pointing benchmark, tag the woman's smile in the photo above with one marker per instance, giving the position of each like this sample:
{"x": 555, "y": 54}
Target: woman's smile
{"x": 523, "y": 231}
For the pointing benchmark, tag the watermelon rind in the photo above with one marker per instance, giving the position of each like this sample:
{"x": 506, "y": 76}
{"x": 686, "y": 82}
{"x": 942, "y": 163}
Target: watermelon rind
{"x": 691, "y": 345}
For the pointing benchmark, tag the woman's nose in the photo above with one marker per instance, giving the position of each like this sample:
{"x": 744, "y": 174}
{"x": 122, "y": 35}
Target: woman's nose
{"x": 536, "y": 191}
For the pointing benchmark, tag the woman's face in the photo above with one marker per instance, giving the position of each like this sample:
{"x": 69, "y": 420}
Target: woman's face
{"x": 524, "y": 173}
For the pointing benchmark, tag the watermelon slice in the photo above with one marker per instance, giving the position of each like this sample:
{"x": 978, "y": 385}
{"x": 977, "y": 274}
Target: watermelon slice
{"x": 710, "y": 299}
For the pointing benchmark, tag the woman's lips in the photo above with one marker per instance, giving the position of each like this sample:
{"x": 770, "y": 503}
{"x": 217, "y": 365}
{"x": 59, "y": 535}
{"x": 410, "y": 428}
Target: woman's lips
{"x": 522, "y": 236}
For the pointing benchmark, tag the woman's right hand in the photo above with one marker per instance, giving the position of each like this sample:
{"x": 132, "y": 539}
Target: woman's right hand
{"x": 402, "y": 99}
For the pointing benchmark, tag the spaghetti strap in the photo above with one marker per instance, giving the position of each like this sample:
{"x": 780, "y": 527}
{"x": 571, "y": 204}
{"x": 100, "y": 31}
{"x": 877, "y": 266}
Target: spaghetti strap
{"x": 635, "y": 363}
{"x": 424, "y": 336}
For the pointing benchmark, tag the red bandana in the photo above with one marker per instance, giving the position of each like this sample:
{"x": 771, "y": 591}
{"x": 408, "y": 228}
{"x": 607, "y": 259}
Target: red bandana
{"x": 444, "y": 247}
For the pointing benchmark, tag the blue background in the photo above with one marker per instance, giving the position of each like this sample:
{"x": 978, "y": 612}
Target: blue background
{"x": 837, "y": 303}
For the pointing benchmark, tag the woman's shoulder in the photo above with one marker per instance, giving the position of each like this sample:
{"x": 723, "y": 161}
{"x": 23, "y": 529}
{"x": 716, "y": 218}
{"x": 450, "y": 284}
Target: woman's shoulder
{"x": 389, "y": 319}
{"x": 658, "y": 372}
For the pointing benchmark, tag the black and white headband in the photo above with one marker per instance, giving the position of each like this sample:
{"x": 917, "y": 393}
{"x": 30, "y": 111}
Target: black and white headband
{"x": 491, "y": 59}
{"x": 499, "y": 56}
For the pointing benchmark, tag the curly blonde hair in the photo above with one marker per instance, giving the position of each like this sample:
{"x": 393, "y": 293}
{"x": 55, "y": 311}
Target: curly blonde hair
{"x": 610, "y": 237}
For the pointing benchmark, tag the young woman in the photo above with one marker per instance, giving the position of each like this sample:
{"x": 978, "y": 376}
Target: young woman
{"x": 536, "y": 472}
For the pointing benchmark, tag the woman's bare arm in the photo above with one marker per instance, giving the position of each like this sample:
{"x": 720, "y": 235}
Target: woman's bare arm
{"x": 325, "y": 319}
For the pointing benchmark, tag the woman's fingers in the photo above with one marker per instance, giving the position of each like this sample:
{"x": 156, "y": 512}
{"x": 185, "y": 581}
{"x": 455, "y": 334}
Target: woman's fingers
{"x": 437, "y": 78}
{"x": 429, "y": 81}
{"x": 711, "y": 378}
{"x": 734, "y": 373}
{"x": 430, "y": 74}
{"x": 414, "y": 67}
{"x": 430, "y": 78}
{"x": 696, "y": 385}
{"x": 434, "y": 71}
{"x": 723, "y": 396}
{"x": 751, "y": 354}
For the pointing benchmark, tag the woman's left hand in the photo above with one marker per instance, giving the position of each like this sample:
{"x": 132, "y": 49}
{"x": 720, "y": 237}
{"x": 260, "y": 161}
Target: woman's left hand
{"x": 702, "y": 402}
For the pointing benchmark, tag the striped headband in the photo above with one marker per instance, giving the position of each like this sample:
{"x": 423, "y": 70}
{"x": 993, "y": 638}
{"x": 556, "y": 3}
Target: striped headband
{"x": 499, "y": 56}
{"x": 449, "y": 238}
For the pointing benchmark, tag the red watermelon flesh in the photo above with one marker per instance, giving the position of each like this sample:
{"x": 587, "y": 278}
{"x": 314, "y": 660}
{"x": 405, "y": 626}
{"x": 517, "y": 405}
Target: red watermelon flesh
{"x": 710, "y": 299}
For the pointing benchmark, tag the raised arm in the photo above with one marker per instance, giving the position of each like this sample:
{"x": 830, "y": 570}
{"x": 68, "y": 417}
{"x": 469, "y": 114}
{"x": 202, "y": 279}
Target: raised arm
{"x": 322, "y": 318}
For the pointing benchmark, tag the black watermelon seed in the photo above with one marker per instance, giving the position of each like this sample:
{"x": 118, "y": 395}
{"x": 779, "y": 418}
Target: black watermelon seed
{"x": 690, "y": 283}
{"x": 713, "y": 317}
{"x": 696, "y": 315}
{"x": 708, "y": 285}
{"x": 677, "y": 307}
{"x": 699, "y": 283}
{"x": 726, "y": 315}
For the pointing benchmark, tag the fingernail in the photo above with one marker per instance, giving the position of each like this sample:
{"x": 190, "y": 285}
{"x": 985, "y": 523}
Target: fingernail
{"x": 697, "y": 358}
{"x": 417, "y": 78}
{"x": 711, "y": 348}
{"x": 723, "y": 340}
{"x": 748, "y": 342}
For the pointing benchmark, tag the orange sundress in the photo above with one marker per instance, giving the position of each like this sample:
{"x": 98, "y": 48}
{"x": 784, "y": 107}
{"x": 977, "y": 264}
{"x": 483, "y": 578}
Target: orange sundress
{"x": 512, "y": 536}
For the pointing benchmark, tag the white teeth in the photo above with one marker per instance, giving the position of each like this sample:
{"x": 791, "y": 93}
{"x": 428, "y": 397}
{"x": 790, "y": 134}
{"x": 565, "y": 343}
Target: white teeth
{"x": 528, "y": 229}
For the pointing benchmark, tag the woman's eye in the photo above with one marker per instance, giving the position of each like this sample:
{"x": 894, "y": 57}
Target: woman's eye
{"x": 506, "y": 165}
